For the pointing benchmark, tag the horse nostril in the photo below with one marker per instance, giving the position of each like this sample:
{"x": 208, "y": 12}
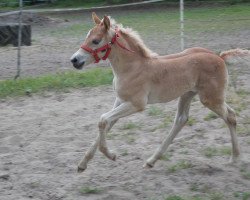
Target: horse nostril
{"x": 74, "y": 60}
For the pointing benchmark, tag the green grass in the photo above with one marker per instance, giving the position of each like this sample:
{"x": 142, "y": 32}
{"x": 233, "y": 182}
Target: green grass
{"x": 130, "y": 139}
{"x": 129, "y": 126}
{"x": 197, "y": 20}
{"x": 191, "y": 121}
{"x": 155, "y": 111}
{"x": 179, "y": 166}
{"x": 75, "y": 4}
{"x": 213, "y": 151}
{"x": 166, "y": 157}
{"x": 124, "y": 153}
{"x": 245, "y": 173}
{"x": 242, "y": 195}
{"x": 149, "y": 22}
{"x": 174, "y": 197}
{"x": 89, "y": 190}
{"x": 166, "y": 122}
{"x": 57, "y": 82}
{"x": 5, "y": 4}
{"x": 243, "y": 93}
{"x": 210, "y": 116}
{"x": 216, "y": 196}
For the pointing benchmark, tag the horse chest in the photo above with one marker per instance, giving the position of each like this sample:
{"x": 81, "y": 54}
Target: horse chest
{"x": 127, "y": 88}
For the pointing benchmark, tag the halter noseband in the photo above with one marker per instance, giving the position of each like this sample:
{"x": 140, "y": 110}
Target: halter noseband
{"x": 106, "y": 47}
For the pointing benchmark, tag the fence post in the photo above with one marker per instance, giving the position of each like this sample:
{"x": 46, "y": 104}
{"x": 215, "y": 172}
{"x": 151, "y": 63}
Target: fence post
{"x": 182, "y": 23}
{"x": 19, "y": 39}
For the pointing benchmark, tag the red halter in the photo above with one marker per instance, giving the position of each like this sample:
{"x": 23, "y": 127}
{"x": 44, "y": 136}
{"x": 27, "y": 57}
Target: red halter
{"x": 106, "y": 47}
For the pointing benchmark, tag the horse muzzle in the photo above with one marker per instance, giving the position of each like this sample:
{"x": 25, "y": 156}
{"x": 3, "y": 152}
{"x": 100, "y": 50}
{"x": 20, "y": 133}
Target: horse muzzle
{"x": 76, "y": 63}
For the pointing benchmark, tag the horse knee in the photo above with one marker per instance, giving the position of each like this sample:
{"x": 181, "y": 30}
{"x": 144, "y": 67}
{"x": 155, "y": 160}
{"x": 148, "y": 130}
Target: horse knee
{"x": 102, "y": 149}
{"x": 103, "y": 123}
{"x": 182, "y": 119}
{"x": 231, "y": 118}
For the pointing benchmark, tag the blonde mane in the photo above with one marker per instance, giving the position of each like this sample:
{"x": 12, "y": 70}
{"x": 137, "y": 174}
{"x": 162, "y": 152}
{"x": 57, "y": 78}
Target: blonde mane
{"x": 134, "y": 40}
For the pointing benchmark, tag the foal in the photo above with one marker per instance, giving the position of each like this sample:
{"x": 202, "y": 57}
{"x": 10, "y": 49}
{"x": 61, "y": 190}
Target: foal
{"x": 142, "y": 77}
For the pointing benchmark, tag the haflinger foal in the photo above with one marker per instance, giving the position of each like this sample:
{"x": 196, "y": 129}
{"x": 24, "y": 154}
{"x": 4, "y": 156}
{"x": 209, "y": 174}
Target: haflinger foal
{"x": 142, "y": 77}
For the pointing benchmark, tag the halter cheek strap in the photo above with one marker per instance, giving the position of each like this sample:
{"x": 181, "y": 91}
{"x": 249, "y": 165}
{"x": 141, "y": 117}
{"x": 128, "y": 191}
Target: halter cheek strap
{"x": 106, "y": 47}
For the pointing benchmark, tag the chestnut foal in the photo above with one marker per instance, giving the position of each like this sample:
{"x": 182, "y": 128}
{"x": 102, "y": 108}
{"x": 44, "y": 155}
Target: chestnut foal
{"x": 142, "y": 77}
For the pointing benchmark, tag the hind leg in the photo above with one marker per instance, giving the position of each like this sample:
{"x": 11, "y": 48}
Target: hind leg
{"x": 228, "y": 115}
{"x": 180, "y": 120}
{"x": 231, "y": 122}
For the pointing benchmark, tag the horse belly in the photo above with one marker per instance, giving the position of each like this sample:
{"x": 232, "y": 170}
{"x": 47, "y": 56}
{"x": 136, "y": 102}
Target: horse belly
{"x": 166, "y": 93}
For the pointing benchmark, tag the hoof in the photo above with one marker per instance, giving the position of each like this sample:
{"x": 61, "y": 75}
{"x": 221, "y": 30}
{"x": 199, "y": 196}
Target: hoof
{"x": 235, "y": 160}
{"x": 148, "y": 166}
{"x": 113, "y": 157}
{"x": 80, "y": 169}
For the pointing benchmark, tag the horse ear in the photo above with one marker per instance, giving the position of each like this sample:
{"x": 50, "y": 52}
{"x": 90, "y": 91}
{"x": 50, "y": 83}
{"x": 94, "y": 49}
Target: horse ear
{"x": 106, "y": 22}
{"x": 95, "y": 18}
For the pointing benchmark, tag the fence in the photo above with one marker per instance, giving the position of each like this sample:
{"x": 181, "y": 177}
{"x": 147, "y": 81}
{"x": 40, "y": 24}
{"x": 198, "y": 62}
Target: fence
{"x": 57, "y": 35}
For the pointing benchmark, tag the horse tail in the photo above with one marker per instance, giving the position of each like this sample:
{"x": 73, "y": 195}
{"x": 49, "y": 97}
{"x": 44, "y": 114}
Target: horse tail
{"x": 236, "y": 55}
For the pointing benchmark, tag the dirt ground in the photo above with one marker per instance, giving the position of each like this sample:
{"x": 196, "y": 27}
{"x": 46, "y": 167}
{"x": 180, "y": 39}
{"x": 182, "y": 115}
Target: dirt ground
{"x": 43, "y": 137}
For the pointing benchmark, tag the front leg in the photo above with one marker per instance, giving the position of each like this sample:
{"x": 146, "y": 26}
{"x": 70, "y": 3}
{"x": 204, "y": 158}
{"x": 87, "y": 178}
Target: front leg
{"x": 106, "y": 122}
{"x": 91, "y": 151}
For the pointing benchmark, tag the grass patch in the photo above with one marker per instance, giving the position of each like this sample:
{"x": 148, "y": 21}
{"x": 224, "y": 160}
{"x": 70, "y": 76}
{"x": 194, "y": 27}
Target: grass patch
{"x": 245, "y": 173}
{"x": 111, "y": 136}
{"x": 155, "y": 111}
{"x": 124, "y": 153}
{"x": 166, "y": 157}
{"x": 166, "y": 122}
{"x": 24, "y": 86}
{"x": 210, "y": 116}
{"x": 89, "y": 190}
{"x": 129, "y": 126}
{"x": 191, "y": 121}
{"x": 212, "y": 151}
{"x": 238, "y": 100}
{"x": 242, "y": 130}
{"x": 194, "y": 187}
{"x": 149, "y": 22}
{"x": 179, "y": 166}
{"x": 203, "y": 20}
{"x": 130, "y": 139}
{"x": 174, "y": 197}
{"x": 242, "y": 93}
{"x": 242, "y": 195}
{"x": 216, "y": 196}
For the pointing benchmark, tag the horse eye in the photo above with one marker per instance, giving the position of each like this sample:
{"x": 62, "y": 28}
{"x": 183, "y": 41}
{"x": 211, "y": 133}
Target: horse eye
{"x": 96, "y": 41}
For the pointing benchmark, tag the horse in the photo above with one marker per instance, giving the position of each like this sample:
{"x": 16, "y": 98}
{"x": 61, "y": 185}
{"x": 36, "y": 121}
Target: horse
{"x": 143, "y": 77}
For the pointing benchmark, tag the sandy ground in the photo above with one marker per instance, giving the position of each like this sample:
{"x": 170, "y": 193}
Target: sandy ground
{"x": 43, "y": 137}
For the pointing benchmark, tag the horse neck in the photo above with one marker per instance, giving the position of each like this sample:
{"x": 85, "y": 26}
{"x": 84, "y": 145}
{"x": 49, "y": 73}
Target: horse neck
{"x": 121, "y": 59}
